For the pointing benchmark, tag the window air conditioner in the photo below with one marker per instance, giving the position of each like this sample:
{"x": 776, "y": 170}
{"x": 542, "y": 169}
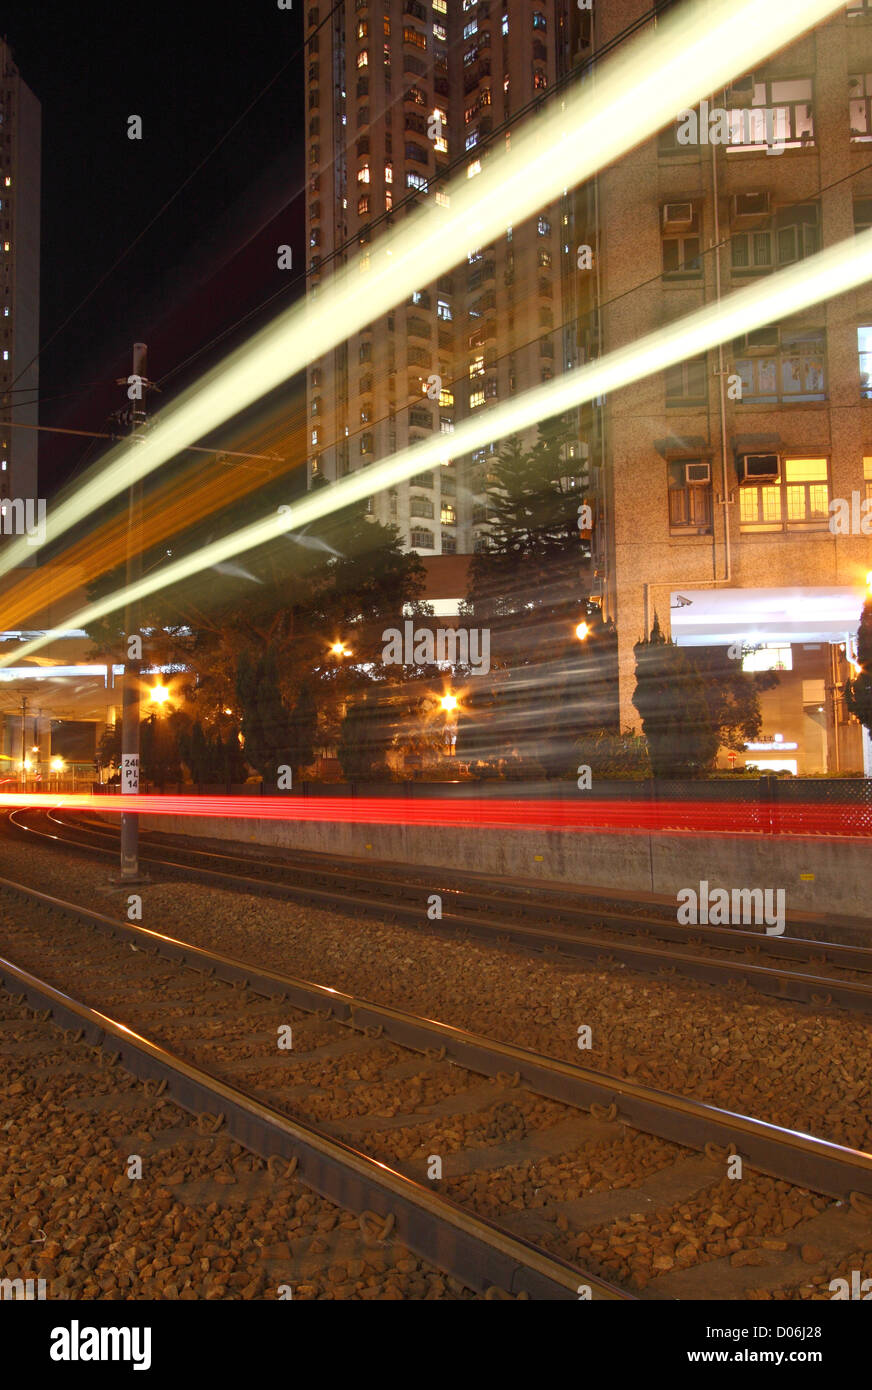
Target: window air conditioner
{"x": 697, "y": 473}
{"x": 750, "y": 205}
{"x": 677, "y": 214}
{"x": 759, "y": 468}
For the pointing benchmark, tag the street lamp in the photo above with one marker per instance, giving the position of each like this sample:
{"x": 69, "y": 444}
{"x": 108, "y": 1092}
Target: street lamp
{"x": 448, "y": 702}
{"x": 339, "y": 649}
{"x": 582, "y": 631}
{"x": 159, "y": 694}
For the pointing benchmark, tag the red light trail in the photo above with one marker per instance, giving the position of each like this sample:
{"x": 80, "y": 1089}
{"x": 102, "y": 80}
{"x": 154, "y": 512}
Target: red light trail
{"x": 481, "y": 813}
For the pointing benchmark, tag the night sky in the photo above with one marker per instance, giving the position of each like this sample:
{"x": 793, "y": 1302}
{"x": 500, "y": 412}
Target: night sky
{"x": 211, "y": 257}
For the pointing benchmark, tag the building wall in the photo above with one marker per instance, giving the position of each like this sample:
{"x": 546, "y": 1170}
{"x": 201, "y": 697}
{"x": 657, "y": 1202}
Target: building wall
{"x": 376, "y": 77}
{"x": 647, "y": 556}
{"x": 20, "y": 137}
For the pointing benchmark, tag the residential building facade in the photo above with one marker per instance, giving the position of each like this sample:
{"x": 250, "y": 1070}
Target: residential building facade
{"x": 402, "y": 97}
{"x": 721, "y": 480}
{"x": 20, "y": 137}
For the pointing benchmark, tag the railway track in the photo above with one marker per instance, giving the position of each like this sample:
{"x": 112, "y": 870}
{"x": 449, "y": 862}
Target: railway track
{"x": 783, "y": 967}
{"x": 200, "y": 1032}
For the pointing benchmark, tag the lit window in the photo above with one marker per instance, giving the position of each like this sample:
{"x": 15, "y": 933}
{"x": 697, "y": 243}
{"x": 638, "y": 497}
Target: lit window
{"x": 474, "y": 168}
{"x": 768, "y": 658}
{"x": 539, "y": 21}
{"x": 416, "y": 181}
{"x": 472, "y": 139}
{"x": 470, "y": 29}
{"x": 864, "y": 348}
{"x": 363, "y": 205}
{"x": 544, "y": 226}
{"x": 363, "y": 174}
{"x": 443, "y": 309}
{"x": 7, "y": 182}
{"x": 314, "y": 436}
{"x": 6, "y": 246}
{"x": 505, "y": 23}
{"x": 440, "y": 144}
{"x": 476, "y": 398}
{"x": 443, "y": 200}
{"x": 440, "y": 32}
{"x": 440, "y": 6}
{"x": 362, "y": 29}
{"x": 413, "y": 37}
{"x": 389, "y": 173}
{"x": 389, "y": 199}
{"x": 476, "y": 366}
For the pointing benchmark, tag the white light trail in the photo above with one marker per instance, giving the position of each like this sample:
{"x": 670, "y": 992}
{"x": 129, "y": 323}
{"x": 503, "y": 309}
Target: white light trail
{"x": 694, "y": 52}
{"x": 832, "y": 272}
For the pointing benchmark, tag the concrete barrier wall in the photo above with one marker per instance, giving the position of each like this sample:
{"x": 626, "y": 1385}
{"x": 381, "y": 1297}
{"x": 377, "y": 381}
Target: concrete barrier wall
{"x": 820, "y": 875}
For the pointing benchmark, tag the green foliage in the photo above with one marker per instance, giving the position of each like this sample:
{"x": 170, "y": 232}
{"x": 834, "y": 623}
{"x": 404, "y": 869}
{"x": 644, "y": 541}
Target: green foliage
{"x": 364, "y": 739}
{"x": 732, "y": 695}
{"x": 608, "y": 754}
{"x": 211, "y": 759}
{"x": 670, "y": 696}
{"x": 266, "y": 724}
{"x": 160, "y": 760}
{"x": 535, "y": 567}
{"x": 858, "y": 689}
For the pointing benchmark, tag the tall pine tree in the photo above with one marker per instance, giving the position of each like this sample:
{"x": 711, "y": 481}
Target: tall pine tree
{"x": 858, "y": 690}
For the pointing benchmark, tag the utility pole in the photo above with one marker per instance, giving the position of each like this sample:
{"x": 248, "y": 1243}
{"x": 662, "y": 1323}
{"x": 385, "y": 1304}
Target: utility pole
{"x": 137, "y": 385}
{"x": 24, "y": 740}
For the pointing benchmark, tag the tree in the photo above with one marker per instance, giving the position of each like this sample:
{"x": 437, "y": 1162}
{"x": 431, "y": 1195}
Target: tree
{"x": 531, "y": 588}
{"x": 266, "y": 724}
{"x": 535, "y": 569}
{"x": 364, "y": 739}
{"x": 303, "y": 728}
{"x": 733, "y": 695}
{"x": 670, "y": 696}
{"x": 109, "y": 749}
{"x": 159, "y": 748}
{"x": 858, "y": 689}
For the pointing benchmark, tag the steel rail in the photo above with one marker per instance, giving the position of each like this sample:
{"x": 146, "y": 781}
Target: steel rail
{"x": 785, "y": 1154}
{"x": 470, "y": 1247}
{"x": 794, "y": 986}
{"x": 806, "y": 949}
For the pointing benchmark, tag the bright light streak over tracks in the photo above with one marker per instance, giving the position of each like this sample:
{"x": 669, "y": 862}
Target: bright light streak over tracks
{"x": 629, "y": 816}
{"x": 840, "y": 268}
{"x": 693, "y": 53}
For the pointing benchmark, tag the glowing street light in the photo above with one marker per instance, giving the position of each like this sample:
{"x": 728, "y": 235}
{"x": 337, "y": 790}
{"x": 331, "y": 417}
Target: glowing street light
{"x": 159, "y": 695}
{"x": 448, "y": 702}
{"x": 582, "y": 631}
{"x": 57, "y": 764}
{"x": 339, "y": 649}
